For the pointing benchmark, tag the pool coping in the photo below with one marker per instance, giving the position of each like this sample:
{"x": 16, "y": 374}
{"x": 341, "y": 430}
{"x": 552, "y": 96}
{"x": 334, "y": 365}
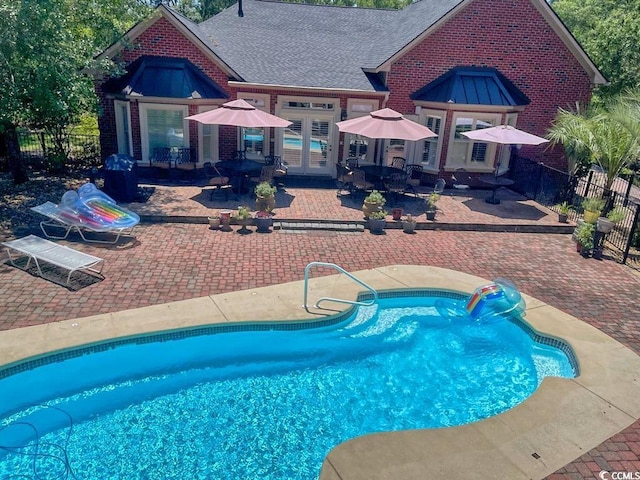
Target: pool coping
{"x": 562, "y": 420}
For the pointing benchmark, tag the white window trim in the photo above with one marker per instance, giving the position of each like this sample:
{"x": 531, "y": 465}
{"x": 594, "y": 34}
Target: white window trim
{"x": 117, "y": 105}
{"x": 374, "y": 105}
{"x": 215, "y": 145}
{"x": 144, "y": 134}
{"x": 495, "y": 119}
{"x": 266, "y": 144}
{"x": 442, "y": 115}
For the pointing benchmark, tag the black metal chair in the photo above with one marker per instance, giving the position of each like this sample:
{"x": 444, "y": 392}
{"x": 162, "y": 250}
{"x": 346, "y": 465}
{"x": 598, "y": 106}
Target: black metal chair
{"x": 217, "y": 182}
{"x": 185, "y": 161}
{"x": 398, "y": 162}
{"x": 360, "y": 182}
{"x": 396, "y": 184}
{"x": 161, "y": 160}
{"x": 414, "y": 177}
{"x": 461, "y": 179}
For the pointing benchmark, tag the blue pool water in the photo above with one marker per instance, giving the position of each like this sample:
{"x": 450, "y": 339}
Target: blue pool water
{"x": 267, "y": 403}
{"x": 296, "y": 142}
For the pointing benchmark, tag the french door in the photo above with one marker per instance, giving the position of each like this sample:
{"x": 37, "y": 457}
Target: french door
{"x": 306, "y": 145}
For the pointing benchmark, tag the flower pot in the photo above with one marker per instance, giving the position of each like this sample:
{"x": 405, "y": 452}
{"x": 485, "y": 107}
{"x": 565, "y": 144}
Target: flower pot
{"x": 265, "y": 204}
{"x": 396, "y": 214}
{"x": 376, "y": 226}
{"x": 563, "y": 217}
{"x": 225, "y": 220}
{"x": 214, "y": 223}
{"x": 243, "y": 222}
{"x": 604, "y": 225}
{"x": 431, "y": 214}
{"x": 368, "y": 208}
{"x": 263, "y": 223}
{"x": 591, "y": 217}
{"x": 409, "y": 227}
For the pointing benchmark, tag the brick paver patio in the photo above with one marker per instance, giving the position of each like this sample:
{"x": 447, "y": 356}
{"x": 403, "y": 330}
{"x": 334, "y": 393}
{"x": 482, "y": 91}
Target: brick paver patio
{"x": 175, "y": 261}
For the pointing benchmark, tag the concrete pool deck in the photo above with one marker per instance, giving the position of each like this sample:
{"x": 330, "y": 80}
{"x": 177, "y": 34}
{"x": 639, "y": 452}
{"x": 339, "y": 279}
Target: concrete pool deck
{"x": 562, "y": 420}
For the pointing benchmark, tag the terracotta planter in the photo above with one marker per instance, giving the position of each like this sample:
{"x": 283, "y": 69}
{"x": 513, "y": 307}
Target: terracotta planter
{"x": 396, "y": 214}
{"x": 369, "y": 208}
{"x": 265, "y": 204}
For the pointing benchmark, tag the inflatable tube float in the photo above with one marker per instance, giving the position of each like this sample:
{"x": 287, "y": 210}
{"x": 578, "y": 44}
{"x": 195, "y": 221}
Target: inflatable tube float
{"x": 493, "y": 299}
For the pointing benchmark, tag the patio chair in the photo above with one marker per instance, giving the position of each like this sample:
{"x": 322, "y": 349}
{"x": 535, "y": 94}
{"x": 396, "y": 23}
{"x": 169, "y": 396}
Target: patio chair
{"x": 396, "y": 184}
{"x": 460, "y": 179}
{"x": 439, "y": 186}
{"x": 398, "y": 162}
{"x": 40, "y": 250}
{"x": 185, "y": 160}
{"x": 352, "y": 163}
{"x": 360, "y": 182}
{"x": 161, "y": 159}
{"x": 216, "y": 181}
{"x": 414, "y": 177}
{"x": 280, "y": 169}
{"x": 344, "y": 178}
{"x": 88, "y": 210}
{"x": 266, "y": 175}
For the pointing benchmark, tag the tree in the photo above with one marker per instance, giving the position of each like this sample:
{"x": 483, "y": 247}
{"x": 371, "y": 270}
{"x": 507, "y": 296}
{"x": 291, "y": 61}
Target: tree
{"x": 608, "y": 31}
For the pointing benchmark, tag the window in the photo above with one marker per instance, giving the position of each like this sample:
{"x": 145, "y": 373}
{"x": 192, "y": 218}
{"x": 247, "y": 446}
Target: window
{"x": 467, "y": 153}
{"x": 255, "y": 141}
{"x": 432, "y": 147}
{"x": 123, "y": 129}
{"x": 356, "y": 145}
{"x": 163, "y": 126}
{"x": 208, "y": 138}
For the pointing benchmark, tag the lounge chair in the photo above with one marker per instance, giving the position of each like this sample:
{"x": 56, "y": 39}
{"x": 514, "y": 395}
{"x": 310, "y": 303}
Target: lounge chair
{"x": 41, "y": 250}
{"x": 88, "y": 210}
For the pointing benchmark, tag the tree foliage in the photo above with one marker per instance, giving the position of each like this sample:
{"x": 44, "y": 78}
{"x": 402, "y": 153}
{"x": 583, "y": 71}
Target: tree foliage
{"x": 608, "y": 30}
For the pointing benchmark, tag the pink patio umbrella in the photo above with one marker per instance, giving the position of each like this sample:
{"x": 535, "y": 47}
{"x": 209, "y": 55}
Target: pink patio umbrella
{"x": 385, "y": 123}
{"x": 239, "y": 113}
{"x": 504, "y": 135}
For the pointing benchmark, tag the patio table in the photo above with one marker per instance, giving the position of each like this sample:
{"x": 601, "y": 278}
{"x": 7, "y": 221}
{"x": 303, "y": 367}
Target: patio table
{"x": 240, "y": 170}
{"x": 379, "y": 173}
{"x": 495, "y": 182}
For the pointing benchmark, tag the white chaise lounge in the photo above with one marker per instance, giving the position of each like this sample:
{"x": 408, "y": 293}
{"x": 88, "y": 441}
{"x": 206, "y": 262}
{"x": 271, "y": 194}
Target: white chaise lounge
{"x": 41, "y": 250}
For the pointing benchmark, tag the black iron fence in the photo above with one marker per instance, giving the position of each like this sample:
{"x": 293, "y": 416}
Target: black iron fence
{"x": 38, "y": 151}
{"x": 551, "y": 187}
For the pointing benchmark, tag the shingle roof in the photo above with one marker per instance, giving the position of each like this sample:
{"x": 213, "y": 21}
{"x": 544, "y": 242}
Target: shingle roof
{"x": 315, "y": 45}
{"x": 472, "y": 86}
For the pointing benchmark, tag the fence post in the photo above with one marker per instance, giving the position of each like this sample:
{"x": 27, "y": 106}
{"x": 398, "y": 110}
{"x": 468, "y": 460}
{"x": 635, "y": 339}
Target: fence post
{"x": 628, "y": 192}
{"x": 634, "y": 225}
{"x": 586, "y": 187}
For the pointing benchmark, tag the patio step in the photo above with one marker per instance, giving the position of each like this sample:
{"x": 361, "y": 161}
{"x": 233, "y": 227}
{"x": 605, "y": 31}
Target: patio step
{"x": 306, "y": 225}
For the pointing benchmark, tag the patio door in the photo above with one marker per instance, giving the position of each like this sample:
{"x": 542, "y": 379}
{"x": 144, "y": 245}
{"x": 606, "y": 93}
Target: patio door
{"x": 306, "y": 145}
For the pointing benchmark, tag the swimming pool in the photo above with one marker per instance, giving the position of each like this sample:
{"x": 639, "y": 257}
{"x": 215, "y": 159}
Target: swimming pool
{"x": 195, "y": 403}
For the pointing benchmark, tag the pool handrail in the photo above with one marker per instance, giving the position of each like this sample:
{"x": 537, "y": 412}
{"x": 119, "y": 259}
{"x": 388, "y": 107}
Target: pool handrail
{"x": 368, "y": 303}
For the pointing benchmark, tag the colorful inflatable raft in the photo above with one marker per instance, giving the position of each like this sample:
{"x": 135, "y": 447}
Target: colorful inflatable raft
{"x": 95, "y": 210}
{"x": 494, "y": 299}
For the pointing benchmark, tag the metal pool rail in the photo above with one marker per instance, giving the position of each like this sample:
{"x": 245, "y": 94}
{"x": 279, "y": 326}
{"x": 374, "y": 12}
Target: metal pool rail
{"x": 330, "y": 299}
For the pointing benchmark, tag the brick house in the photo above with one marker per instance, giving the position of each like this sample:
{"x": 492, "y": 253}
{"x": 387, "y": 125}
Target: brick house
{"x": 453, "y": 65}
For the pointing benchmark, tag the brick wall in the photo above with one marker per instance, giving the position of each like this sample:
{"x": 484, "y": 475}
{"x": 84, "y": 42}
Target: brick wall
{"x": 512, "y": 36}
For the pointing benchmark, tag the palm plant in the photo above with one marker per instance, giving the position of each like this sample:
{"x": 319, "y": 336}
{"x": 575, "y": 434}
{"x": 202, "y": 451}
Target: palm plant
{"x": 609, "y": 136}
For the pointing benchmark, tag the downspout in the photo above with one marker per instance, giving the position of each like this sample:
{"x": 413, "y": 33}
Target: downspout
{"x": 240, "y": 12}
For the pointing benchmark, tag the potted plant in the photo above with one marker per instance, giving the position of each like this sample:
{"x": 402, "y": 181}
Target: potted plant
{"x": 432, "y": 200}
{"x": 409, "y": 224}
{"x": 373, "y": 202}
{"x": 606, "y": 224}
{"x": 592, "y": 208}
{"x": 263, "y": 221}
{"x": 243, "y": 217}
{"x": 396, "y": 214}
{"x": 585, "y": 238}
{"x": 377, "y": 221}
{"x": 265, "y": 197}
{"x": 563, "y": 211}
